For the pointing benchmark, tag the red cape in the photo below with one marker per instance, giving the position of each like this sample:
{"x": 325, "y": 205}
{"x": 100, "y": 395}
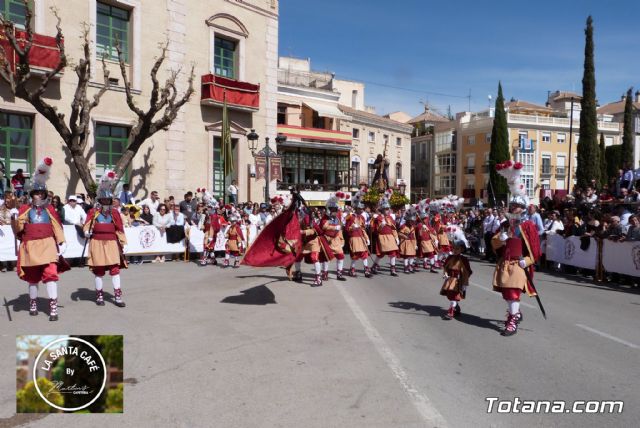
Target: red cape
{"x": 278, "y": 244}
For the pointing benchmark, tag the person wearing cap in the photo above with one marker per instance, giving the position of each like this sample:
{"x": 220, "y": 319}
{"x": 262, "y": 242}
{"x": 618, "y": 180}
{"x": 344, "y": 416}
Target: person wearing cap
{"x": 108, "y": 243}
{"x": 408, "y": 241}
{"x": 427, "y": 244}
{"x": 42, "y": 243}
{"x": 74, "y": 214}
{"x": 385, "y": 237}
{"x": 331, "y": 225}
{"x": 457, "y": 271}
{"x": 235, "y": 242}
{"x": 355, "y": 225}
{"x": 517, "y": 246}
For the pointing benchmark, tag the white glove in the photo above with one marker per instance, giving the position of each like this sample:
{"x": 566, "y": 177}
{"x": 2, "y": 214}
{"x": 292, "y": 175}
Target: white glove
{"x": 338, "y": 228}
{"x": 504, "y": 236}
{"x": 522, "y": 263}
{"x": 88, "y": 235}
{"x": 125, "y": 247}
{"x": 383, "y": 223}
{"x": 62, "y": 248}
{"x": 445, "y": 276}
{"x": 397, "y": 241}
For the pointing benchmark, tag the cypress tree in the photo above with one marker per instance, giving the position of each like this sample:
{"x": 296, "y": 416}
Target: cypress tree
{"x": 588, "y": 150}
{"x": 628, "y": 134}
{"x": 604, "y": 177}
{"x": 499, "y": 151}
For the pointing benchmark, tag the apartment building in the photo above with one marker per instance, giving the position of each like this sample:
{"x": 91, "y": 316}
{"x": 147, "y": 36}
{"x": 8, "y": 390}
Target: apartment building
{"x": 234, "y": 46}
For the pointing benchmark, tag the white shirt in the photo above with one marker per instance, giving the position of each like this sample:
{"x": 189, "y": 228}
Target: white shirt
{"x": 254, "y": 219}
{"x": 487, "y": 224}
{"x": 496, "y": 224}
{"x": 162, "y": 220}
{"x": 178, "y": 219}
{"x": 74, "y": 215}
{"x": 553, "y": 226}
{"x": 233, "y": 190}
{"x": 153, "y": 206}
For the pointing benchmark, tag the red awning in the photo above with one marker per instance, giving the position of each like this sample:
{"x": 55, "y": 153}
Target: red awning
{"x": 237, "y": 93}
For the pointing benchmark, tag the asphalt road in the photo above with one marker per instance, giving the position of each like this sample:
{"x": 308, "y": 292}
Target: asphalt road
{"x": 245, "y": 348}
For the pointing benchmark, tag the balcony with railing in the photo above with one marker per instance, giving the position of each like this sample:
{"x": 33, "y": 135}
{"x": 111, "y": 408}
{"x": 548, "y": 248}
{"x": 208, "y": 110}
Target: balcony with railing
{"x": 561, "y": 122}
{"x": 239, "y": 95}
{"x": 545, "y": 170}
{"x": 43, "y": 56}
{"x": 470, "y": 170}
{"x": 561, "y": 171}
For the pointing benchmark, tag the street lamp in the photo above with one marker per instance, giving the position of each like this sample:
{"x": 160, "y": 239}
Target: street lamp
{"x": 253, "y": 137}
{"x": 402, "y": 187}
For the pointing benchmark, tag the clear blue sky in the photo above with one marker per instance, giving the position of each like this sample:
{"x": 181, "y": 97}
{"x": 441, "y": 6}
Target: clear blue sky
{"x": 452, "y": 47}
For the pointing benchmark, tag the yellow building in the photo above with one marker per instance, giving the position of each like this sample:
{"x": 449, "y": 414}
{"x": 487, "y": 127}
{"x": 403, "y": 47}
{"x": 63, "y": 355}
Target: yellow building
{"x": 234, "y": 46}
{"x": 539, "y": 137}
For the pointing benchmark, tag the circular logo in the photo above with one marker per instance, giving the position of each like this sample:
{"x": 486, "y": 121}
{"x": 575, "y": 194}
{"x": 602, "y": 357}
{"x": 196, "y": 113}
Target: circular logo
{"x": 147, "y": 237}
{"x": 80, "y": 351}
{"x": 569, "y": 249}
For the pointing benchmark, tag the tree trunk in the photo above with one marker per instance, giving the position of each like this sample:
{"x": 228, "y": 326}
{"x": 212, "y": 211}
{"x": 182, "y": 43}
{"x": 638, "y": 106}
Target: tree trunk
{"x": 82, "y": 167}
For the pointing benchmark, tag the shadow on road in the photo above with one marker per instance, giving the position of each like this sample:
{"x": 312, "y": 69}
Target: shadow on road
{"x": 437, "y": 311}
{"x": 259, "y": 295}
{"x": 21, "y": 303}
{"x": 86, "y": 295}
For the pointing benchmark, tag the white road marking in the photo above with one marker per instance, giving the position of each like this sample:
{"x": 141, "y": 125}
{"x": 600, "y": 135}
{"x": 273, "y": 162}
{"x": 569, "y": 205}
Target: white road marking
{"x": 422, "y": 403}
{"x": 491, "y": 291}
{"x": 608, "y": 336}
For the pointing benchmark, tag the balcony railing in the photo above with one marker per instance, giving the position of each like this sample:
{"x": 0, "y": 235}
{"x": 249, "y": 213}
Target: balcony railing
{"x": 561, "y": 171}
{"x": 563, "y": 122}
{"x": 239, "y": 95}
{"x": 44, "y": 53}
{"x": 315, "y": 134}
{"x": 470, "y": 170}
{"x": 545, "y": 170}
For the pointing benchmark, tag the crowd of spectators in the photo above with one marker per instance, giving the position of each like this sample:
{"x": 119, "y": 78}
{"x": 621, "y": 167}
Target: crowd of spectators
{"x": 166, "y": 214}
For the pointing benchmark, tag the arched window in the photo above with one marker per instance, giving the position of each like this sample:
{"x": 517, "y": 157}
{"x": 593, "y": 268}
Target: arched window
{"x": 398, "y": 170}
{"x": 228, "y": 36}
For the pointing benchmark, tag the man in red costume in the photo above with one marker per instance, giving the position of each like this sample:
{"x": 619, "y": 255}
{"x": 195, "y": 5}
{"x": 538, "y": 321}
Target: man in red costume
{"x": 212, "y": 227}
{"x": 108, "y": 242}
{"x": 358, "y": 240}
{"x": 235, "y": 242}
{"x": 385, "y": 237}
{"x": 331, "y": 225}
{"x": 518, "y": 248}
{"x": 42, "y": 244}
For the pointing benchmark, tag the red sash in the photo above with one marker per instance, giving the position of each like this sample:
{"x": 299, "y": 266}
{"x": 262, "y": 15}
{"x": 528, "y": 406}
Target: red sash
{"x": 104, "y": 232}
{"x": 37, "y": 231}
{"x": 513, "y": 249}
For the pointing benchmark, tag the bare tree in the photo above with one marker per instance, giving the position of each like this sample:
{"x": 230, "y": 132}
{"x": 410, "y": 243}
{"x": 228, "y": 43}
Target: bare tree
{"x": 75, "y": 134}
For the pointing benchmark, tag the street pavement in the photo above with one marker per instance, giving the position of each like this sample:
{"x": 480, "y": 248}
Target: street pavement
{"x": 207, "y": 347}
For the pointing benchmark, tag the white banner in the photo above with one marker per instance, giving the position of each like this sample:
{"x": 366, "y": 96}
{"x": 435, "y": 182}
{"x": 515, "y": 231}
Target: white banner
{"x": 140, "y": 240}
{"x": 621, "y": 257}
{"x": 567, "y": 251}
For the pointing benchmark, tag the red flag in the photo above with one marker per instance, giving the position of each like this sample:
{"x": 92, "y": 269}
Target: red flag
{"x": 278, "y": 244}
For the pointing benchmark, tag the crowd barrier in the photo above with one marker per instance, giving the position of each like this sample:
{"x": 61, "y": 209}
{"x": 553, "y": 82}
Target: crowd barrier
{"x": 141, "y": 240}
{"x": 602, "y": 254}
